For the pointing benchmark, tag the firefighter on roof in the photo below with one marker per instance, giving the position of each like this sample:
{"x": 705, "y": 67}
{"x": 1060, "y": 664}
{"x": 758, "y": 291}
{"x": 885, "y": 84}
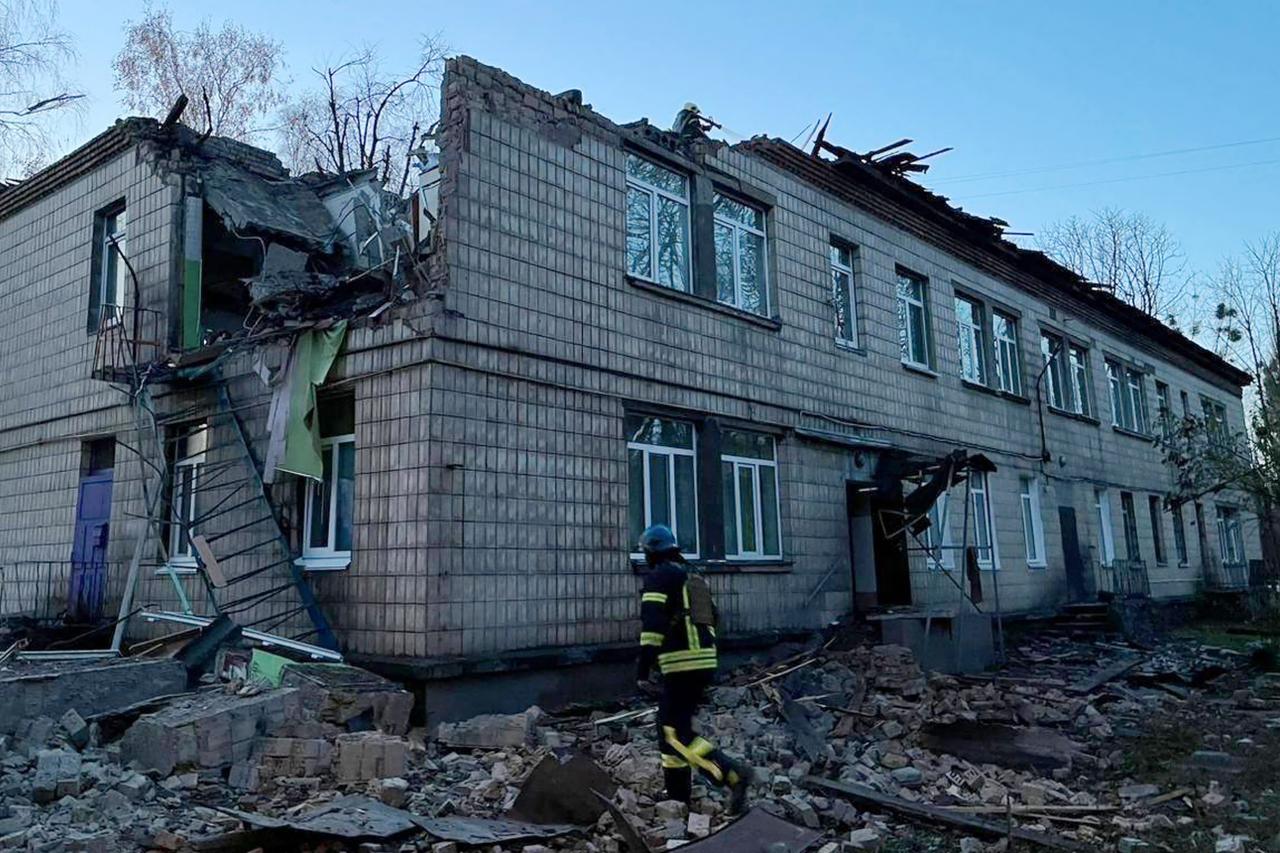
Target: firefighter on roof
{"x": 678, "y": 634}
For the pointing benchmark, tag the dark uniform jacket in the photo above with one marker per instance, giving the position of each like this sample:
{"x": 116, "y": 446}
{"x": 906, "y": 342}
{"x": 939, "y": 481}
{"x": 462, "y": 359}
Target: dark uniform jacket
{"x": 670, "y": 633}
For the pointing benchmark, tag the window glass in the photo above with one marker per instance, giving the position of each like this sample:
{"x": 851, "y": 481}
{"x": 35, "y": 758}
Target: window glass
{"x": 970, "y": 340}
{"x": 754, "y": 445}
{"x": 741, "y": 266}
{"x": 1129, "y": 512}
{"x": 750, "y": 492}
{"x": 657, "y": 224}
{"x": 843, "y": 296}
{"x": 662, "y": 486}
{"x": 1004, "y": 330}
{"x": 1157, "y": 527}
{"x": 1106, "y": 542}
{"x": 1032, "y": 523}
{"x": 1081, "y": 400}
{"x": 1180, "y": 537}
{"x": 1054, "y": 382}
{"x": 938, "y": 535}
{"x": 913, "y": 323}
{"x": 982, "y": 520}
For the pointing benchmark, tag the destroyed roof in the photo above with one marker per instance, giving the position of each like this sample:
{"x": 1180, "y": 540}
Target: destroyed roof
{"x": 882, "y": 191}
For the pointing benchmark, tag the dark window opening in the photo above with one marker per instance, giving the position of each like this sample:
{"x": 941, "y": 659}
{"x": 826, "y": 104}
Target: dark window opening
{"x": 98, "y": 455}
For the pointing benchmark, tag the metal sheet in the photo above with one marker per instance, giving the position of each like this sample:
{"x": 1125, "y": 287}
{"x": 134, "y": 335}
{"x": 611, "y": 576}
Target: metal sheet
{"x": 558, "y": 792}
{"x": 267, "y": 640}
{"x": 474, "y": 830}
{"x": 634, "y": 841}
{"x": 355, "y": 816}
{"x": 757, "y": 832}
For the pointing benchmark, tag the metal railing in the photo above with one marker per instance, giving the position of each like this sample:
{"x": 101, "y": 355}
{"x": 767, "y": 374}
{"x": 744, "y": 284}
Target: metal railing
{"x": 129, "y": 340}
{"x": 1122, "y": 579}
{"x": 53, "y": 590}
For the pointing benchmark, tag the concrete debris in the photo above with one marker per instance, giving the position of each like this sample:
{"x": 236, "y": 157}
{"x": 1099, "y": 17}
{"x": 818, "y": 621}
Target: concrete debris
{"x": 490, "y": 731}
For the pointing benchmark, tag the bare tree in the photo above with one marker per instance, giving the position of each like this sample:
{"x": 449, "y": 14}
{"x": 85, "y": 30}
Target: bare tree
{"x": 33, "y": 52}
{"x": 231, "y": 75}
{"x": 1134, "y": 256}
{"x": 362, "y": 116}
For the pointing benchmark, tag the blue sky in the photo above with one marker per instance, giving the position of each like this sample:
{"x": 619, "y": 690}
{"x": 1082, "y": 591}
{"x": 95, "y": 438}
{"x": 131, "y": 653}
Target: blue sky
{"x": 1020, "y": 87}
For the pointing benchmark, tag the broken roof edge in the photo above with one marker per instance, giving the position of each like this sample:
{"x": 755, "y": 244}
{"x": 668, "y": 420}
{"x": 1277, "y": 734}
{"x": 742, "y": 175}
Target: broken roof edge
{"x": 981, "y": 232}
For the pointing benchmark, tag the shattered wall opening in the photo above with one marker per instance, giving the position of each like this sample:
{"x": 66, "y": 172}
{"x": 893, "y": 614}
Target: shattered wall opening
{"x": 228, "y": 263}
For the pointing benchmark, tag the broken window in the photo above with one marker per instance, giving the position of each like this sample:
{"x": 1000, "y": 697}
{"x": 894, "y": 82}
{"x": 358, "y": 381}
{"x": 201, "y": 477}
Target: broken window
{"x": 330, "y": 503}
{"x": 1055, "y": 382}
{"x": 1157, "y": 528}
{"x": 1130, "y": 516}
{"x": 1180, "y": 537}
{"x": 741, "y": 278}
{"x": 1128, "y": 397}
{"x": 657, "y": 224}
{"x": 937, "y": 536}
{"x": 982, "y": 525}
{"x": 1078, "y": 367}
{"x": 1106, "y": 542}
{"x": 1032, "y": 522}
{"x": 913, "y": 319}
{"x": 843, "y": 294}
{"x": 1215, "y": 419}
{"x": 191, "y": 444}
{"x": 661, "y": 479}
{"x": 1230, "y": 536}
{"x": 749, "y": 480}
{"x": 1004, "y": 333}
{"x": 971, "y": 340}
{"x": 1163, "y": 412}
{"x": 109, "y": 273}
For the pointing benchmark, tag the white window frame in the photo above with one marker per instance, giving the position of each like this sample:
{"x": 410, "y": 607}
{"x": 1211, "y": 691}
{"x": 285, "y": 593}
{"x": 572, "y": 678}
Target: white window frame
{"x": 849, "y": 334}
{"x": 737, "y": 226}
{"x": 670, "y": 452}
{"x": 1106, "y": 536}
{"x": 111, "y": 289}
{"x": 938, "y": 536}
{"x": 976, "y": 334}
{"x": 654, "y": 191}
{"x": 327, "y": 558}
{"x": 1077, "y": 368}
{"x": 1032, "y": 521}
{"x": 1006, "y": 351}
{"x": 1163, "y": 407}
{"x": 905, "y": 304}
{"x": 1128, "y": 397}
{"x": 740, "y": 462}
{"x": 1052, "y": 349}
{"x": 980, "y": 487}
{"x": 1215, "y": 418}
{"x": 182, "y": 555}
{"x": 1230, "y": 536}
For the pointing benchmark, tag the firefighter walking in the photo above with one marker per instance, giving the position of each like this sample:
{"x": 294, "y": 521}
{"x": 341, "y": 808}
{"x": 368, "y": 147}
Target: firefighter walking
{"x": 678, "y": 635}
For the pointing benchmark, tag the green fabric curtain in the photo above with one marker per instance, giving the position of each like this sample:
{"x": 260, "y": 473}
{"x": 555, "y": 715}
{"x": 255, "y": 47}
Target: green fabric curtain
{"x": 313, "y": 355}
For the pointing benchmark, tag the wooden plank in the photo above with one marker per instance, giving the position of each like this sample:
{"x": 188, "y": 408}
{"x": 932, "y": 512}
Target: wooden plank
{"x": 1105, "y": 674}
{"x": 924, "y": 813}
{"x": 211, "y": 566}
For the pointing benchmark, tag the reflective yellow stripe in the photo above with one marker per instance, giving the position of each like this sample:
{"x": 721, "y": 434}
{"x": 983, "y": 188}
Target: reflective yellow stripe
{"x": 654, "y": 598}
{"x": 674, "y": 762}
{"x": 650, "y": 638}
{"x": 701, "y": 746}
{"x": 687, "y": 666}
{"x": 692, "y": 757}
{"x": 694, "y": 654}
{"x": 689, "y": 627}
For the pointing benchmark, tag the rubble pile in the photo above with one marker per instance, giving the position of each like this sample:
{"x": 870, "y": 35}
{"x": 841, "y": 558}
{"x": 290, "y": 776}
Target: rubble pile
{"x": 851, "y": 746}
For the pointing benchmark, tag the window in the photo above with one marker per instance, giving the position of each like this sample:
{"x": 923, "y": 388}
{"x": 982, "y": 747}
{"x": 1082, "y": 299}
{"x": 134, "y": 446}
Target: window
{"x": 741, "y": 280}
{"x": 1186, "y": 404}
{"x": 749, "y": 478}
{"x": 937, "y": 537}
{"x": 109, "y": 273}
{"x": 843, "y": 295}
{"x": 1078, "y": 372}
{"x": 1130, "y": 517}
{"x": 657, "y": 224}
{"x": 662, "y": 480}
{"x": 1180, "y": 537}
{"x": 1004, "y": 334}
{"x": 1163, "y": 412}
{"x": 1157, "y": 529}
{"x": 1230, "y": 537}
{"x": 971, "y": 340}
{"x": 1055, "y": 378}
{"x": 1032, "y": 523}
{"x": 982, "y": 527}
{"x": 330, "y": 503}
{"x": 190, "y": 446}
{"x": 1215, "y": 419}
{"x": 913, "y": 319}
{"x": 1128, "y": 397}
{"x": 1106, "y": 542}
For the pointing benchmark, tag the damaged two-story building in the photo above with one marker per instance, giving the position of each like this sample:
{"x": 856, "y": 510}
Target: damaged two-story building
{"x": 432, "y": 434}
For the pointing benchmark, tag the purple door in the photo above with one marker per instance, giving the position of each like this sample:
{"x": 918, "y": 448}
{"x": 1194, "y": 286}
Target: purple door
{"x": 89, "y": 551}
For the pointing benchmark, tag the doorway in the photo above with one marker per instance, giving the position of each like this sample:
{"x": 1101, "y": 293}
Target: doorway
{"x": 92, "y": 533}
{"x": 1077, "y": 587}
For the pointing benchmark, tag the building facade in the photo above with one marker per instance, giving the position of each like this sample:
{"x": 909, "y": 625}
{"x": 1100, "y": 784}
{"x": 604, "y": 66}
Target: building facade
{"x": 613, "y": 325}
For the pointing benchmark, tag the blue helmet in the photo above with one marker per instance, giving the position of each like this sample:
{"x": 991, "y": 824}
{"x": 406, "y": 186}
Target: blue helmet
{"x": 659, "y": 541}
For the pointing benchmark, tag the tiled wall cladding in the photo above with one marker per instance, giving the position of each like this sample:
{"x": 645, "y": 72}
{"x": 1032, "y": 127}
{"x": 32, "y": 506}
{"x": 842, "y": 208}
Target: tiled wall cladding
{"x": 491, "y": 483}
